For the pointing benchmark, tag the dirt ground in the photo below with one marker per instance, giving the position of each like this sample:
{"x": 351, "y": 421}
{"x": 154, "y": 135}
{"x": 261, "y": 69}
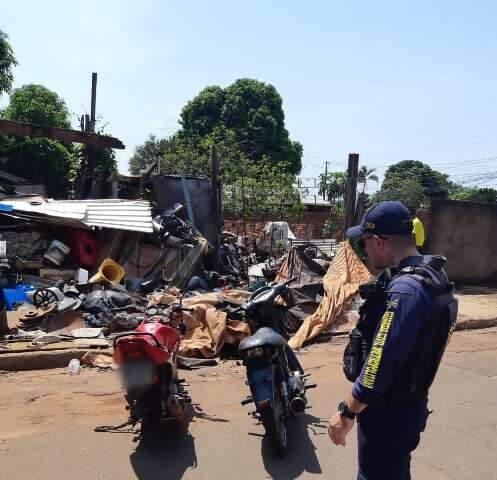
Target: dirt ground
{"x": 48, "y": 417}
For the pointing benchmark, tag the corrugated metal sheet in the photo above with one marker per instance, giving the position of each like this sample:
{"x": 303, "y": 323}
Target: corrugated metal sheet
{"x": 134, "y": 215}
{"x": 327, "y": 245}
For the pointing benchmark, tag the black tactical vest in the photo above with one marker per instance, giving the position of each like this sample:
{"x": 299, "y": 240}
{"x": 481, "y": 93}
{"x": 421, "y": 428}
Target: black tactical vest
{"x": 420, "y": 368}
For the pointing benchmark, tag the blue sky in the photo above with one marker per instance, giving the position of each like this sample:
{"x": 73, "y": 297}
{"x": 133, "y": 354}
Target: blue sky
{"x": 390, "y": 80}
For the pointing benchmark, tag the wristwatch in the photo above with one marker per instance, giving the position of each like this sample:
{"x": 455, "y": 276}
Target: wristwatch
{"x": 343, "y": 410}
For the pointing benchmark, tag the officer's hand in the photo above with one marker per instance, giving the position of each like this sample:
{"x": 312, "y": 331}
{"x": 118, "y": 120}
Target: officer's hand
{"x": 338, "y": 427}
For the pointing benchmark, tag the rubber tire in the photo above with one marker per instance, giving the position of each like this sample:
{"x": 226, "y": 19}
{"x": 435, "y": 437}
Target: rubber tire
{"x": 278, "y": 439}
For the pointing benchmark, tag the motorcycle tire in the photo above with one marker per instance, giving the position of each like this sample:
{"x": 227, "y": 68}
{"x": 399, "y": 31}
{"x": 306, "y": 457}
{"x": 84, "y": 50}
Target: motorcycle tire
{"x": 275, "y": 423}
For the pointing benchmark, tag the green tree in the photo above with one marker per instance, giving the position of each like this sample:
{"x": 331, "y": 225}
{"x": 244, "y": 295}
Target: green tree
{"x": 39, "y": 160}
{"x": 7, "y": 63}
{"x": 434, "y": 183}
{"x": 248, "y": 113}
{"x": 408, "y": 190}
{"x": 332, "y": 186}
{"x": 37, "y": 104}
{"x": 145, "y": 154}
{"x": 366, "y": 175}
{"x": 474, "y": 194}
{"x": 256, "y": 188}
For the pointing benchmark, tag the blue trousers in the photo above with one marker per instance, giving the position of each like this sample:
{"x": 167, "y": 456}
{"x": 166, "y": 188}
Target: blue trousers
{"x": 386, "y": 437}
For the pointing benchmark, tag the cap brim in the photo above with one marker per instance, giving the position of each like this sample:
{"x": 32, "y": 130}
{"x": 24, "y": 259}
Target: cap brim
{"x": 354, "y": 232}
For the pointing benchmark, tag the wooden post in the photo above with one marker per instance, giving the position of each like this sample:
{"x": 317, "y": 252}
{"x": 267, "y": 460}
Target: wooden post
{"x": 93, "y": 102}
{"x": 92, "y": 153}
{"x": 215, "y": 197}
{"x": 325, "y": 179}
{"x": 350, "y": 193}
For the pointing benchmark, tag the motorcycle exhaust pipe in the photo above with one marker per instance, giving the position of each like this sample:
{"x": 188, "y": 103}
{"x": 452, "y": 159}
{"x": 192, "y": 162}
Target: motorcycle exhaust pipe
{"x": 298, "y": 403}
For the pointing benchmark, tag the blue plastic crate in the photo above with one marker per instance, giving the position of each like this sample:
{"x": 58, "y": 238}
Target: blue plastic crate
{"x": 16, "y": 295}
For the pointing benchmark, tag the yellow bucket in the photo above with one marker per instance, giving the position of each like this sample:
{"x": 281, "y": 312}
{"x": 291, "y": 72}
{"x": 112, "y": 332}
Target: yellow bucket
{"x": 109, "y": 271}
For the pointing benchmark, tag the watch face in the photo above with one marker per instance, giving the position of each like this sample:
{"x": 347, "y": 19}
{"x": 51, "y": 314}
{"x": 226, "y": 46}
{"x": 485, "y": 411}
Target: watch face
{"x": 342, "y": 406}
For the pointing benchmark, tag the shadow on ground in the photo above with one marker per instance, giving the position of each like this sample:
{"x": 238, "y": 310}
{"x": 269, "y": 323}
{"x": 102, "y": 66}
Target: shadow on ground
{"x": 165, "y": 451}
{"x": 302, "y": 454}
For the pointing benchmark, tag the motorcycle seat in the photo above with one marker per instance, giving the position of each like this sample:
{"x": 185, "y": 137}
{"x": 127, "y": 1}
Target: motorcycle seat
{"x": 263, "y": 336}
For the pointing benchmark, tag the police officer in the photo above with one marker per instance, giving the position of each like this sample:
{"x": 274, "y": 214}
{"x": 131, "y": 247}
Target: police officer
{"x": 394, "y": 352}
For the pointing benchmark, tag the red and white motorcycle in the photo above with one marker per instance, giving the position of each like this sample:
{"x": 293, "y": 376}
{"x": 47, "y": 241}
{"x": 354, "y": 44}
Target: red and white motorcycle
{"x": 147, "y": 357}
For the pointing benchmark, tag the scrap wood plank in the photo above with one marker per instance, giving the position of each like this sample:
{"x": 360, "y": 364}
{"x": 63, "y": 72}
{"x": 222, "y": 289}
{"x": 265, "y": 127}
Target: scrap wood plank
{"x": 56, "y": 133}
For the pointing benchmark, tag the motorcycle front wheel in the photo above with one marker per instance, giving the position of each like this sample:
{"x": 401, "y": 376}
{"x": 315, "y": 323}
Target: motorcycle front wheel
{"x": 274, "y": 422}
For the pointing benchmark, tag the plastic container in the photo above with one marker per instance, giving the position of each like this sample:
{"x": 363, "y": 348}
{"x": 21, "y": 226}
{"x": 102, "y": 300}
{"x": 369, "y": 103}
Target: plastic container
{"x": 57, "y": 252}
{"x": 12, "y": 296}
{"x": 81, "y": 275}
{"x": 84, "y": 248}
{"x": 74, "y": 367}
{"x": 109, "y": 271}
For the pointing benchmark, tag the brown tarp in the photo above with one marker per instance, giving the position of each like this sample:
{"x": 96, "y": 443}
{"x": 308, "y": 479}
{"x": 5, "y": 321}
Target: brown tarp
{"x": 341, "y": 283}
{"x": 208, "y": 329}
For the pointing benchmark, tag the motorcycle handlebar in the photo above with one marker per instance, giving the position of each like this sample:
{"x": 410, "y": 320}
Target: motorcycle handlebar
{"x": 237, "y": 309}
{"x": 178, "y": 308}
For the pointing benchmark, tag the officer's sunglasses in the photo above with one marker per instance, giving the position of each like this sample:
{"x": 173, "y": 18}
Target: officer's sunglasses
{"x": 362, "y": 242}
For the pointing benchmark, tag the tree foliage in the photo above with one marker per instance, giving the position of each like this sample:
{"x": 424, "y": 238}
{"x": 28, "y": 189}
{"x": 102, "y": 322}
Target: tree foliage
{"x": 246, "y": 123}
{"x": 408, "y": 190}
{"x": 474, "y": 194}
{"x": 366, "y": 175}
{"x": 333, "y": 186}
{"x": 244, "y": 120}
{"x": 434, "y": 183}
{"x": 252, "y": 189}
{"x": 248, "y": 112}
{"x": 38, "y": 160}
{"x": 37, "y": 104}
{"x": 145, "y": 154}
{"x": 7, "y": 63}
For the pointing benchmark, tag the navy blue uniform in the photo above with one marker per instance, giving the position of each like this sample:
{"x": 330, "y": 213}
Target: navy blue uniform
{"x": 389, "y": 429}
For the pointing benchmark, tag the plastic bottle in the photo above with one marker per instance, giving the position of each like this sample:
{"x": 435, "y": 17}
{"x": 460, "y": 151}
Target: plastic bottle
{"x": 74, "y": 367}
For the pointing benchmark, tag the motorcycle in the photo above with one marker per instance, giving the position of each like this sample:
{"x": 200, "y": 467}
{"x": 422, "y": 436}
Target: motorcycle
{"x": 277, "y": 382}
{"x": 147, "y": 357}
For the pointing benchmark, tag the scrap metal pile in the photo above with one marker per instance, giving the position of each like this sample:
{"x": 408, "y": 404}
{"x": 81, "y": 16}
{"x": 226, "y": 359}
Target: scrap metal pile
{"x": 84, "y": 271}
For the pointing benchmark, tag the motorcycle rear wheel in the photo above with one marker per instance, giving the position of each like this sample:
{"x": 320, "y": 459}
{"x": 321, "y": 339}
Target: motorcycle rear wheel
{"x": 275, "y": 423}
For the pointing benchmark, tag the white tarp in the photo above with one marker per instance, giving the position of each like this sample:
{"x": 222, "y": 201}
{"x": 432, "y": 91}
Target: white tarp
{"x": 274, "y": 232}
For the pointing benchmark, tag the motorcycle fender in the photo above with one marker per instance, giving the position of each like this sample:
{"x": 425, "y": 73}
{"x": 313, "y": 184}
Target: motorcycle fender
{"x": 261, "y": 385}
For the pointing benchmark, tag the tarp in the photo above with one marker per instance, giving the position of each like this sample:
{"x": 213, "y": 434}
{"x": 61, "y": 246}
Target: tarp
{"x": 305, "y": 294}
{"x": 274, "y": 232}
{"x": 341, "y": 283}
{"x": 208, "y": 329}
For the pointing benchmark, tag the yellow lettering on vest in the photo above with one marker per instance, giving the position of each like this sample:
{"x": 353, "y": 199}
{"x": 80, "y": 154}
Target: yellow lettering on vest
{"x": 374, "y": 357}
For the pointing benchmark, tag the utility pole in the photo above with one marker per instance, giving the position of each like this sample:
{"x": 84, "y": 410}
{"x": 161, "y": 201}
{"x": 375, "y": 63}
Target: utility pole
{"x": 93, "y": 102}
{"x": 350, "y": 193}
{"x": 90, "y": 187}
{"x": 325, "y": 179}
{"x": 215, "y": 196}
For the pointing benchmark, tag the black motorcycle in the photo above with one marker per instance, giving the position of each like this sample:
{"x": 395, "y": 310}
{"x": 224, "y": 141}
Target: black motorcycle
{"x": 276, "y": 379}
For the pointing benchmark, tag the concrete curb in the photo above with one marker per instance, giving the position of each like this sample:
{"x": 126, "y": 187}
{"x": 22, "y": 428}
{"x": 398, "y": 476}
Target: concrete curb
{"x": 39, "y": 360}
{"x": 476, "y": 323}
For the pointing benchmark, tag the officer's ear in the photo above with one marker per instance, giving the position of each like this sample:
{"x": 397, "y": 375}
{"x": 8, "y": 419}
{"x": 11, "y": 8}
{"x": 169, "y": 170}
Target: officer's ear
{"x": 380, "y": 241}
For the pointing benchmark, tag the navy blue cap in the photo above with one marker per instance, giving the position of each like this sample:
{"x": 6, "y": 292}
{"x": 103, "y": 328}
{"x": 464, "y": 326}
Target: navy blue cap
{"x": 384, "y": 218}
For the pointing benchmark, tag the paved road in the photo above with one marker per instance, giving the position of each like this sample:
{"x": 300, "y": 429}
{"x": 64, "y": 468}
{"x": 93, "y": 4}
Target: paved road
{"x": 47, "y": 420}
